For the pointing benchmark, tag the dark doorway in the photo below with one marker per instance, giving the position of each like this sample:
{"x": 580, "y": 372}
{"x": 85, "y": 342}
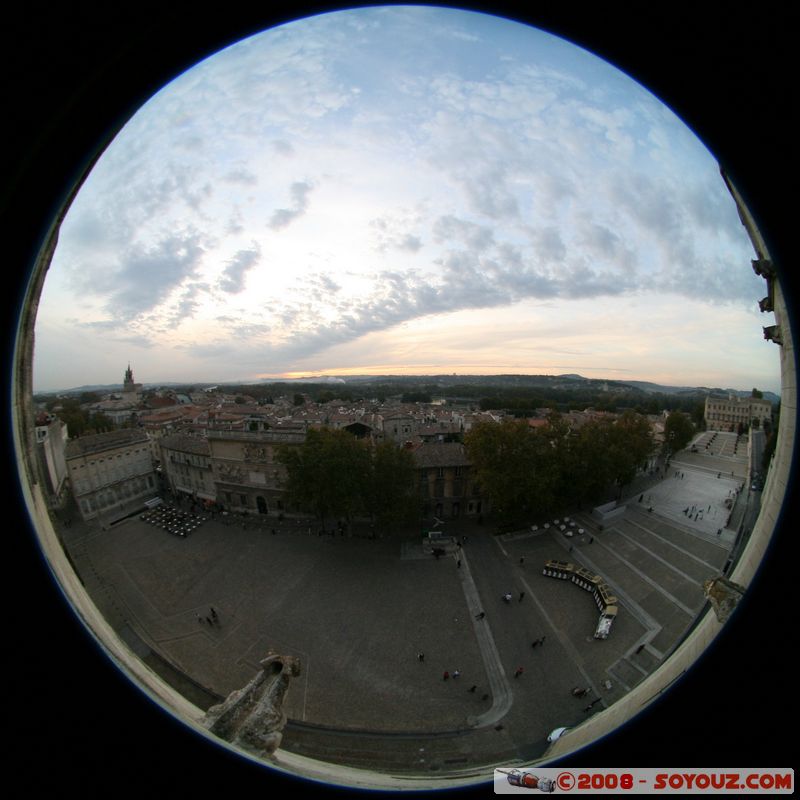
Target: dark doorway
{"x": 262, "y": 505}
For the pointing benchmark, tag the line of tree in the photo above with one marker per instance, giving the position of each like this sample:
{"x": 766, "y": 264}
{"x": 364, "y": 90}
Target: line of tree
{"x": 678, "y": 432}
{"x": 81, "y": 421}
{"x": 336, "y": 476}
{"x": 527, "y": 471}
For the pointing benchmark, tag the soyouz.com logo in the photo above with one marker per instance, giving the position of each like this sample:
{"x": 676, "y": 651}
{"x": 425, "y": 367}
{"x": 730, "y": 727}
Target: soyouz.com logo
{"x": 644, "y": 781}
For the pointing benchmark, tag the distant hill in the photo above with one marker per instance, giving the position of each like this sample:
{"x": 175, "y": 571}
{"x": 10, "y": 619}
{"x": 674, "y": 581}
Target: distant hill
{"x": 646, "y": 386}
{"x": 108, "y": 388}
{"x": 564, "y": 381}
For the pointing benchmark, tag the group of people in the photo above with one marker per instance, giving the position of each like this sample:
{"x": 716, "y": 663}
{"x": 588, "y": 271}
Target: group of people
{"x": 212, "y": 619}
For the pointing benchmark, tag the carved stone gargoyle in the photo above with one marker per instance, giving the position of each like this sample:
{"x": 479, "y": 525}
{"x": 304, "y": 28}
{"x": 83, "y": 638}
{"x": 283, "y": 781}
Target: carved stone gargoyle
{"x": 724, "y": 596}
{"x": 252, "y": 718}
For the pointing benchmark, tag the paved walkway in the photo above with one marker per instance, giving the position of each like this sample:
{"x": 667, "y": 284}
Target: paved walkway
{"x": 357, "y": 612}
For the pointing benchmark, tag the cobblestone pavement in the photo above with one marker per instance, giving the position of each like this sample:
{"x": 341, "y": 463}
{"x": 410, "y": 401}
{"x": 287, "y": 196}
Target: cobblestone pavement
{"x": 357, "y": 612}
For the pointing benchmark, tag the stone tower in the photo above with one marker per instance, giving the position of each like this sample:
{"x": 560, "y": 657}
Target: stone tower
{"x": 131, "y": 390}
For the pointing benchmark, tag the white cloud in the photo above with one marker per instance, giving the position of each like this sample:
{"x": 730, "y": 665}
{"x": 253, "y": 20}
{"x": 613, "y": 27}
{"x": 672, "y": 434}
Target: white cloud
{"x": 233, "y": 276}
{"x": 282, "y": 217}
{"x": 479, "y": 167}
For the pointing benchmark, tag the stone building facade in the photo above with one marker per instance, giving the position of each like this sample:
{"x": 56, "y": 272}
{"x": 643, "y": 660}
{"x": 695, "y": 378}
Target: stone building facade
{"x": 111, "y": 474}
{"x": 447, "y": 487}
{"x": 51, "y": 445}
{"x": 186, "y": 466}
{"x": 727, "y": 413}
{"x": 246, "y": 471}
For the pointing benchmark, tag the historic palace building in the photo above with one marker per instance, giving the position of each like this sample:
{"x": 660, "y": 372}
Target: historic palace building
{"x": 186, "y": 466}
{"x": 111, "y": 474}
{"x": 248, "y": 476}
{"x": 51, "y": 445}
{"x": 446, "y": 485}
{"x": 727, "y": 413}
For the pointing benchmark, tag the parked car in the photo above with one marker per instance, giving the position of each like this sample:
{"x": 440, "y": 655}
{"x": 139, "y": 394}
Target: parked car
{"x": 556, "y": 734}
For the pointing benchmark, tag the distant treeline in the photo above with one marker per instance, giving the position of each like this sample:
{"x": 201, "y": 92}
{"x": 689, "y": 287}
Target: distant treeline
{"x": 516, "y": 400}
{"x": 520, "y": 396}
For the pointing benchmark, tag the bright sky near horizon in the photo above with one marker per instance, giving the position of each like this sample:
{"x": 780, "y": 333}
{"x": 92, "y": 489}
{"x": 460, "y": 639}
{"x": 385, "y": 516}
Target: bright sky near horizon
{"x": 403, "y": 190}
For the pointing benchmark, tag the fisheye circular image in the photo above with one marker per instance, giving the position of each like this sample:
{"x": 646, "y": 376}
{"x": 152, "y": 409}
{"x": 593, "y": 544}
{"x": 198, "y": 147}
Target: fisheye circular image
{"x": 400, "y": 399}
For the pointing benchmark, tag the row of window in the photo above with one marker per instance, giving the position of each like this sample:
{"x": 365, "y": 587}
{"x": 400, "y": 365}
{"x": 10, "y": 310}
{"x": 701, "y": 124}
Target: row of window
{"x": 737, "y": 409}
{"x": 111, "y": 497}
{"x": 185, "y": 458}
{"x": 110, "y": 459}
{"x": 457, "y": 472}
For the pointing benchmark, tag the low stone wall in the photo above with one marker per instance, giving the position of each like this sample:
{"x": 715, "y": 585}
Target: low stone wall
{"x": 608, "y": 511}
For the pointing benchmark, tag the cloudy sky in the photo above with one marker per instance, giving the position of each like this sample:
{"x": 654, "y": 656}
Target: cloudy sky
{"x": 403, "y": 190}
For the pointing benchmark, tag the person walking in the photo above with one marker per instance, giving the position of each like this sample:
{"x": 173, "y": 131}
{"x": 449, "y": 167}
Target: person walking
{"x": 481, "y": 615}
{"x": 446, "y": 676}
{"x": 420, "y": 656}
{"x": 521, "y": 595}
{"x": 518, "y": 672}
{"x": 456, "y": 673}
{"x": 473, "y": 688}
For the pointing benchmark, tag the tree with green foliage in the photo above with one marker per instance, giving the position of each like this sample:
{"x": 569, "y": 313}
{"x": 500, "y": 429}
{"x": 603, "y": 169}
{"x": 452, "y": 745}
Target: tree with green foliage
{"x": 515, "y": 466}
{"x": 76, "y": 418}
{"x": 416, "y": 397}
{"x": 678, "y": 432}
{"x": 389, "y": 491}
{"x": 327, "y": 473}
{"x": 100, "y": 423}
{"x": 586, "y": 464}
{"x": 298, "y": 399}
{"x": 698, "y": 416}
{"x": 89, "y": 397}
{"x": 630, "y": 444}
{"x": 757, "y": 393}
